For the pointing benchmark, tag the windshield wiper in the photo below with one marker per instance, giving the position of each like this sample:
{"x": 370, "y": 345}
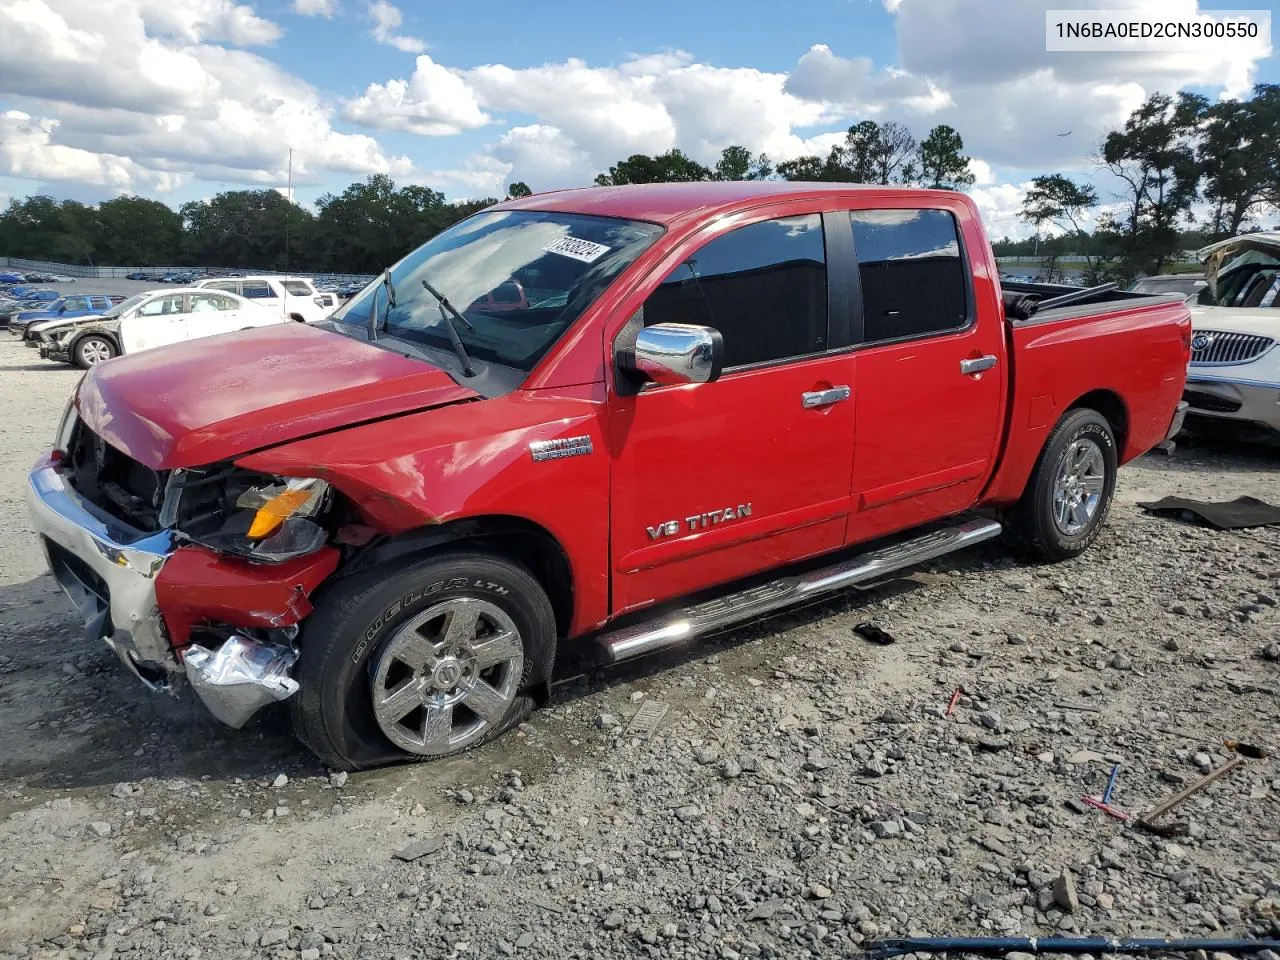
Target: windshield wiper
{"x": 447, "y": 313}
{"x": 373, "y": 305}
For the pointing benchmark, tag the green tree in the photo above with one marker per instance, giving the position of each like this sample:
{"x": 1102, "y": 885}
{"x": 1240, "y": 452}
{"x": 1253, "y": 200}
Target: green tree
{"x": 1238, "y": 157}
{"x": 246, "y": 229}
{"x": 940, "y": 162}
{"x": 1057, "y": 200}
{"x": 877, "y": 152}
{"x": 519, "y": 189}
{"x": 1154, "y": 156}
{"x": 138, "y": 232}
{"x": 737, "y": 163}
{"x": 41, "y": 228}
{"x": 670, "y": 167}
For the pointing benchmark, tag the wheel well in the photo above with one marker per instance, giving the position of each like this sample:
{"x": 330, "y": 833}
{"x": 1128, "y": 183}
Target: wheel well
{"x": 526, "y": 542}
{"x": 1109, "y": 404}
{"x": 297, "y": 316}
{"x": 115, "y": 343}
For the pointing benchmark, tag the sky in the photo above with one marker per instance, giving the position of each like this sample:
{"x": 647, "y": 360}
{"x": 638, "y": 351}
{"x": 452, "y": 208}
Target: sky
{"x": 181, "y": 99}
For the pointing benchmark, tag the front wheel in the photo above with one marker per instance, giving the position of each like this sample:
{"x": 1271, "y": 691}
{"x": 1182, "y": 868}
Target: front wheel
{"x": 422, "y": 663}
{"x": 1069, "y": 494}
{"x": 92, "y": 350}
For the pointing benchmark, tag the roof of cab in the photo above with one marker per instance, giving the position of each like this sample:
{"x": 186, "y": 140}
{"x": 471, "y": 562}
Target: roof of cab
{"x": 667, "y": 203}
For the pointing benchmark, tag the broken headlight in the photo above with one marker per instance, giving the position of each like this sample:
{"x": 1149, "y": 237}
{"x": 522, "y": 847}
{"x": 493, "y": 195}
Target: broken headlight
{"x": 258, "y": 517}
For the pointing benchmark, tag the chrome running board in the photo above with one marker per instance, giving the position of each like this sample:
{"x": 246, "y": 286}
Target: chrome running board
{"x": 680, "y": 625}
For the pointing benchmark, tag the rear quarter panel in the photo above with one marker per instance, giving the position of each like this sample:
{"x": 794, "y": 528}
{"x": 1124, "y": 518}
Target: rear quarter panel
{"x": 1138, "y": 353}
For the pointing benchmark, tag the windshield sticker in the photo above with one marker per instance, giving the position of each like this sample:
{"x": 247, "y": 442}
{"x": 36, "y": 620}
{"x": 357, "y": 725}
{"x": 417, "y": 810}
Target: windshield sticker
{"x": 583, "y": 250}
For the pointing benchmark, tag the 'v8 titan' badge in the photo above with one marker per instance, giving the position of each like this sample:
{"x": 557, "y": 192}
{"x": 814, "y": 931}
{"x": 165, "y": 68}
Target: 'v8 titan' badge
{"x": 699, "y": 521}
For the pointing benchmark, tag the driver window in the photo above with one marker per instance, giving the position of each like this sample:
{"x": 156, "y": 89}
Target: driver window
{"x": 763, "y": 286}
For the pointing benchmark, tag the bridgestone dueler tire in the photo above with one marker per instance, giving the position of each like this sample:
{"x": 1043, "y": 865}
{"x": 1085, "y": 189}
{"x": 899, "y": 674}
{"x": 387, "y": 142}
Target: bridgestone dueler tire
{"x": 333, "y": 709}
{"x": 1031, "y": 523}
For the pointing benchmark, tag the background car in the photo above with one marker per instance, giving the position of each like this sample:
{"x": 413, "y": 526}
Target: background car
{"x": 65, "y": 308}
{"x": 1233, "y": 382}
{"x": 1187, "y": 284}
{"x": 295, "y": 298}
{"x": 151, "y": 319}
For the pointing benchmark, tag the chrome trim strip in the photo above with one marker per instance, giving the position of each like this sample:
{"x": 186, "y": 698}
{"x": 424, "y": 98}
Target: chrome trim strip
{"x": 680, "y": 625}
{"x": 127, "y": 561}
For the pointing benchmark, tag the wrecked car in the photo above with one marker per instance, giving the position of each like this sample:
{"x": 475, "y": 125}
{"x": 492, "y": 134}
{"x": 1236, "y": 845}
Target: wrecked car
{"x": 709, "y": 401}
{"x": 1233, "y": 382}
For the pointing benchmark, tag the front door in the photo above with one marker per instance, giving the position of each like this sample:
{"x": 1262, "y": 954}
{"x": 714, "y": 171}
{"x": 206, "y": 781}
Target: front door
{"x": 930, "y": 373}
{"x": 155, "y": 323}
{"x": 712, "y": 482}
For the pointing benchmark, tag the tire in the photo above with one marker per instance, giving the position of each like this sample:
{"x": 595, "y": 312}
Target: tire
{"x": 361, "y": 639}
{"x": 92, "y": 350}
{"x": 1044, "y": 523}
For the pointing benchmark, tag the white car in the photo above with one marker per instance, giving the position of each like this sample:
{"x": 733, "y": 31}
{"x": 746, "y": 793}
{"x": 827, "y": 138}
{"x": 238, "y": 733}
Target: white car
{"x": 150, "y": 319}
{"x": 295, "y": 298}
{"x": 1233, "y": 383}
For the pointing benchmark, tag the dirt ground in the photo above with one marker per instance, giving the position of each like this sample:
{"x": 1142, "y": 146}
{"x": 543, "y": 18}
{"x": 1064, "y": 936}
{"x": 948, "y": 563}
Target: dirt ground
{"x": 805, "y": 792}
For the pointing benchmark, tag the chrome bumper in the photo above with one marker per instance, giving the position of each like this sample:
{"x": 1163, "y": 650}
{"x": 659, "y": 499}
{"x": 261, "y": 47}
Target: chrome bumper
{"x": 109, "y": 572}
{"x": 1179, "y": 417}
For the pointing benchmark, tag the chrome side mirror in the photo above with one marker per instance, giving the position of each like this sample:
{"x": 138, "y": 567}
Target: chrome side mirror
{"x": 675, "y": 353}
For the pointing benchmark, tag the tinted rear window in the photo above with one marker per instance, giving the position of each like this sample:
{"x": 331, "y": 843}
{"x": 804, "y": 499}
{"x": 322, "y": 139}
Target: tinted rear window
{"x": 913, "y": 277}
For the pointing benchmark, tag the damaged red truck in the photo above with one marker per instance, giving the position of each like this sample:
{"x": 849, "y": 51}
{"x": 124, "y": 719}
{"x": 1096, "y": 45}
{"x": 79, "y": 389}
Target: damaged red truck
{"x": 617, "y": 416}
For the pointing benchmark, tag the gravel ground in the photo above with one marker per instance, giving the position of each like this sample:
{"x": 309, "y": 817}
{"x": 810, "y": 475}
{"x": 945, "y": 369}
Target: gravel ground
{"x": 804, "y": 792}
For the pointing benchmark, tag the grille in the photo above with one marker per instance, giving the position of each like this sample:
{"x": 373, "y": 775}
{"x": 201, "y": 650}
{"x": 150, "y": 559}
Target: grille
{"x": 1223, "y": 348}
{"x": 114, "y": 481}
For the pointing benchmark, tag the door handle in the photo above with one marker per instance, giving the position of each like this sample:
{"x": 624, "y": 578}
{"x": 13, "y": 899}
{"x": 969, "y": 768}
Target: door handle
{"x": 824, "y": 398}
{"x": 978, "y": 364}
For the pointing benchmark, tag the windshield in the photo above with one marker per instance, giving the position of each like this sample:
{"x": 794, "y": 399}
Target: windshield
{"x": 1186, "y": 286}
{"x": 51, "y": 305}
{"x": 1249, "y": 277}
{"x": 125, "y": 305}
{"x": 519, "y": 279}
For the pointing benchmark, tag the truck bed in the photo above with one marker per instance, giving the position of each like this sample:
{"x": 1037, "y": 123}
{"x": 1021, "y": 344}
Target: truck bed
{"x": 1105, "y": 299}
{"x": 1122, "y": 353}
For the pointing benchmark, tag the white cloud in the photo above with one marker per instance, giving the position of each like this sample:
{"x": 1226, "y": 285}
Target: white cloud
{"x": 121, "y": 80}
{"x": 432, "y": 102}
{"x": 386, "y": 21}
{"x": 196, "y": 20}
{"x": 855, "y": 86}
{"x": 315, "y": 8}
{"x": 27, "y": 150}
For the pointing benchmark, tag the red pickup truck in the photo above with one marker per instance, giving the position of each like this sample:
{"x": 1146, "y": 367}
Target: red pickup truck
{"x": 706, "y": 402}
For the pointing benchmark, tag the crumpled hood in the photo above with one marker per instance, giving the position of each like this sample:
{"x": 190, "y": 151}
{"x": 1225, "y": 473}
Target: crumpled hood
{"x": 216, "y": 398}
{"x": 56, "y": 323}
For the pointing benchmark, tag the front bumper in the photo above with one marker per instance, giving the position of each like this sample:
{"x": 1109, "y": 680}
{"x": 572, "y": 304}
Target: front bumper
{"x": 1240, "y": 402}
{"x": 119, "y": 580}
{"x": 108, "y": 570}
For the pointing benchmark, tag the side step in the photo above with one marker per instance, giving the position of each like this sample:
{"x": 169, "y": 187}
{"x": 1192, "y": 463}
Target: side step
{"x": 681, "y": 625}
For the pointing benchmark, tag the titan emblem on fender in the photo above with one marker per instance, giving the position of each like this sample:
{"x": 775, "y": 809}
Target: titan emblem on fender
{"x": 700, "y": 521}
{"x": 558, "y": 449}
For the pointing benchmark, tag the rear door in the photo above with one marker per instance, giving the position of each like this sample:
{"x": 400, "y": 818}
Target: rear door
{"x": 930, "y": 384}
{"x": 262, "y": 294}
{"x": 212, "y": 313}
{"x": 155, "y": 323}
{"x": 716, "y": 481}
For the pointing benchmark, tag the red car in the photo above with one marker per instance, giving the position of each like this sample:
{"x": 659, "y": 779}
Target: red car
{"x": 713, "y": 400}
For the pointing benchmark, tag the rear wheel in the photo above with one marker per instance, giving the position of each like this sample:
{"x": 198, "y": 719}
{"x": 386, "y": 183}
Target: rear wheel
{"x": 422, "y": 663}
{"x": 92, "y": 350}
{"x": 1069, "y": 495}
